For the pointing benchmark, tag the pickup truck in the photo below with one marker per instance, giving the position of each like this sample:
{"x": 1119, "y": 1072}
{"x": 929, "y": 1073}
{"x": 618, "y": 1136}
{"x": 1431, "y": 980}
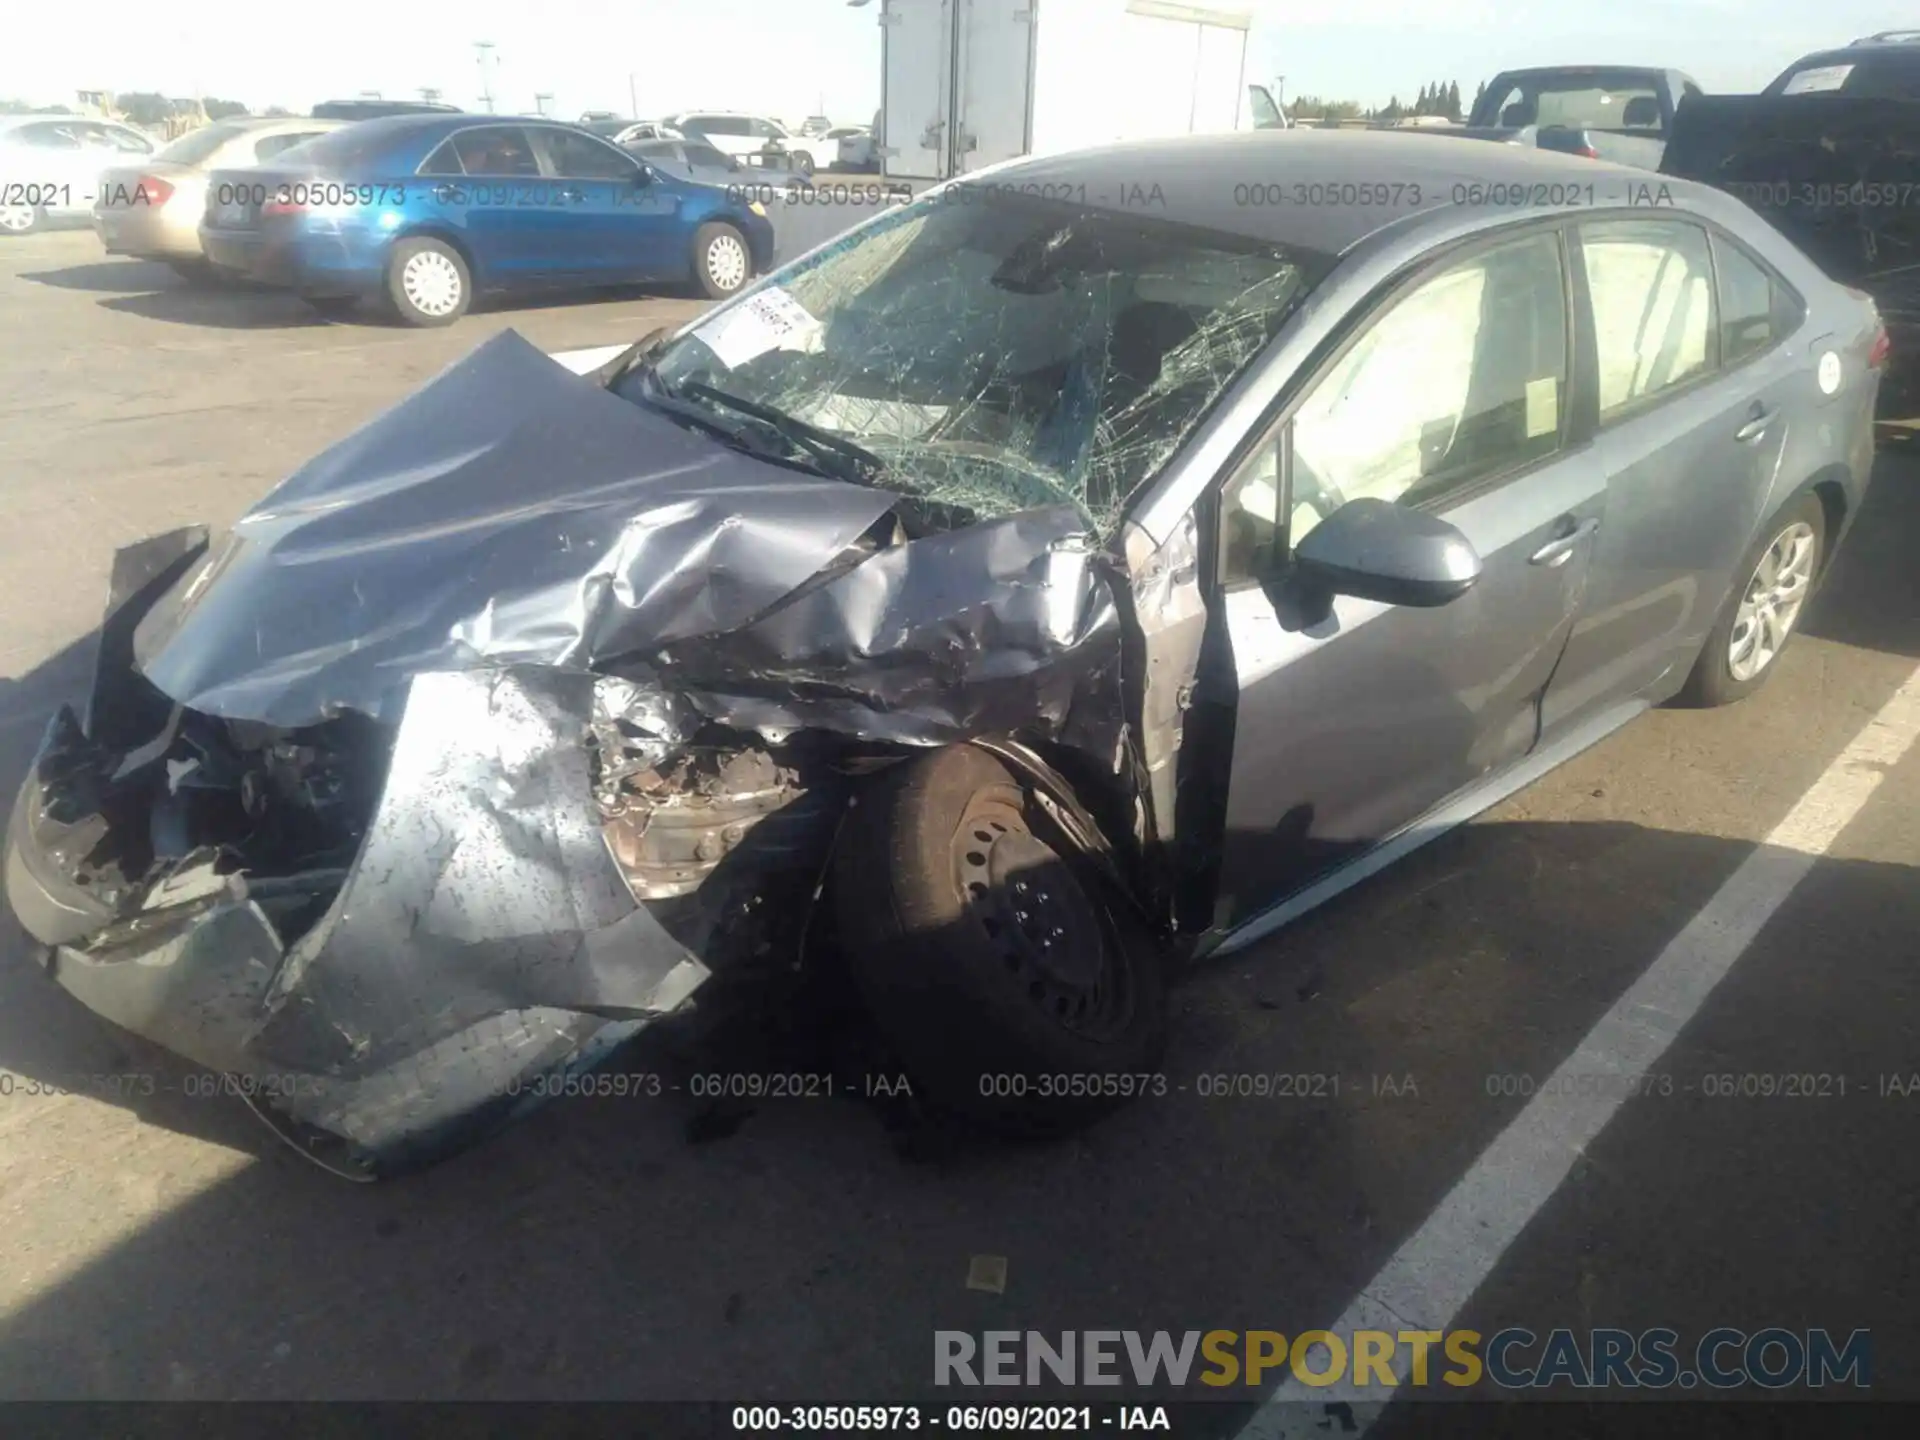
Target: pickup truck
{"x": 1605, "y": 112}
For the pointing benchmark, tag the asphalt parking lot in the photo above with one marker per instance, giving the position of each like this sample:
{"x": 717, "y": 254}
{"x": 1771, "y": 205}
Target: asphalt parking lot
{"x": 166, "y": 1246}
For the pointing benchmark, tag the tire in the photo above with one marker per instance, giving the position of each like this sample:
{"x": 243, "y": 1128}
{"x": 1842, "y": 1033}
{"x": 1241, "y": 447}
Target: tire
{"x": 802, "y": 164}
{"x": 1798, "y": 534}
{"x": 333, "y": 307}
{"x": 989, "y": 1021}
{"x": 722, "y": 260}
{"x": 428, "y": 283}
{"x": 21, "y": 219}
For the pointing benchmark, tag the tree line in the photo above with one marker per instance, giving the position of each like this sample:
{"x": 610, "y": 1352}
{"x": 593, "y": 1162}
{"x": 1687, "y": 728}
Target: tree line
{"x": 1440, "y": 98}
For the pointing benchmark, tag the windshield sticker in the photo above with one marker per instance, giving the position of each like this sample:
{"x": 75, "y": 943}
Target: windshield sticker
{"x": 1821, "y": 77}
{"x": 769, "y": 320}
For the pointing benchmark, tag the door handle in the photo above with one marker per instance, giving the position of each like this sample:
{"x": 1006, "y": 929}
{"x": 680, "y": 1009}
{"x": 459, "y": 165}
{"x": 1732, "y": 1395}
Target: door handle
{"x": 1559, "y": 550}
{"x": 1756, "y": 425}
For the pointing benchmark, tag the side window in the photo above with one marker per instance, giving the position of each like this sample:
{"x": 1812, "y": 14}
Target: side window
{"x": 496, "y": 150}
{"x": 1464, "y": 377}
{"x": 129, "y": 141}
{"x": 698, "y": 154}
{"x": 718, "y": 125}
{"x": 444, "y": 161}
{"x": 581, "y": 157}
{"x": 268, "y": 146}
{"x": 1461, "y": 379}
{"x": 765, "y": 130}
{"x": 1756, "y": 312}
{"x": 1652, "y": 288}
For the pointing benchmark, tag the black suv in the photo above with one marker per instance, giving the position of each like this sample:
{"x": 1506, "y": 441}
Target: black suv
{"x": 1880, "y": 67}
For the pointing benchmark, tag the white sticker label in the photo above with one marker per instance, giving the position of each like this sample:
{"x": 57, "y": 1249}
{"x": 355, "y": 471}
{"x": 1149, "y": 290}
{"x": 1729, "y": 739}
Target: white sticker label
{"x": 1821, "y": 77}
{"x": 769, "y": 320}
{"x": 1543, "y": 406}
{"x": 1829, "y": 373}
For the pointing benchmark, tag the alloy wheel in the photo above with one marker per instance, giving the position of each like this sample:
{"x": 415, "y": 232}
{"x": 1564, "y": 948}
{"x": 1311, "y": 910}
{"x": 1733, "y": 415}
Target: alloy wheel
{"x": 1772, "y": 601}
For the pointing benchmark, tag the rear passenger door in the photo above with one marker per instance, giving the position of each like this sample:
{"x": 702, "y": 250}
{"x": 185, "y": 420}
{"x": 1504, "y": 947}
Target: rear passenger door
{"x": 1693, "y": 391}
{"x": 488, "y": 183}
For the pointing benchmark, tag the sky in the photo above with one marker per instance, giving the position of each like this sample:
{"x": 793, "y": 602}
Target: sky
{"x": 793, "y": 58}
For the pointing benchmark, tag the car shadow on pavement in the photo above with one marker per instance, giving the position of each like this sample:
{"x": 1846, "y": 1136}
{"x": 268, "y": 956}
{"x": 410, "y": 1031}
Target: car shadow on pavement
{"x": 670, "y": 1248}
{"x": 1871, "y": 598}
{"x": 113, "y": 276}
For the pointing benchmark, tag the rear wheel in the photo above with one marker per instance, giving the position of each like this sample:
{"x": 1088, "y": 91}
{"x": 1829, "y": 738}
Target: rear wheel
{"x": 1776, "y": 579}
{"x": 427, "y": 282}
{"x": 721, "y": 260}
{"x": 1014, "y": 984}
{"x": 21, "y": 219}
{"x": 802, "y": 163}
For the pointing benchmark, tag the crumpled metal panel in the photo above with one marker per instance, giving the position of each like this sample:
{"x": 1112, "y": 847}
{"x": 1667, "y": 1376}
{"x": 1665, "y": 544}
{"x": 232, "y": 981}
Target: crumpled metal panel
{"x": 507, "y": 513}
{"x": 483, "y": 935}
{"x": 1005, "y": 625}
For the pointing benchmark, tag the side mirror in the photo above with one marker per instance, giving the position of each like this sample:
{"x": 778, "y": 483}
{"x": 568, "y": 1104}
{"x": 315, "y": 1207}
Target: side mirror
{"x": 1374, "y": 550}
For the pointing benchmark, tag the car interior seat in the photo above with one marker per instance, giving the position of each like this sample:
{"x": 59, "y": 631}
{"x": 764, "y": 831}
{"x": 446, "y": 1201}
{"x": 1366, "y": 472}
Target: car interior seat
{"x": 1642, "y": 113}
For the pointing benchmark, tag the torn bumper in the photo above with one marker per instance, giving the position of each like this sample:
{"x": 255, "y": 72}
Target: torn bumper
{"x": 482, "y": 937}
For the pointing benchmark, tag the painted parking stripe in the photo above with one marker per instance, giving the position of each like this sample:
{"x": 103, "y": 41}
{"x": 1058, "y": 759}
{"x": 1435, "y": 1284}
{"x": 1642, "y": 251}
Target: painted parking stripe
{"x": 1431, "y": 1277}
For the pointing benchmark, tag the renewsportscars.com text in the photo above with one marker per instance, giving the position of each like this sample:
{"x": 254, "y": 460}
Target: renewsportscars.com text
{"x": 1515, "y": 1359}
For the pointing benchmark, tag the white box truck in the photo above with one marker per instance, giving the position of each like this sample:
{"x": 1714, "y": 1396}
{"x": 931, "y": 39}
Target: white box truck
{"x": 968, "y": 83}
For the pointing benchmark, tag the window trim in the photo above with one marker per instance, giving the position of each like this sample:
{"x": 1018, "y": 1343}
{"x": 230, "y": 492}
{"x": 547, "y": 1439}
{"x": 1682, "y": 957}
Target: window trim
{"x": 1783, "y": 289}
{"x": 1276, "y": 428}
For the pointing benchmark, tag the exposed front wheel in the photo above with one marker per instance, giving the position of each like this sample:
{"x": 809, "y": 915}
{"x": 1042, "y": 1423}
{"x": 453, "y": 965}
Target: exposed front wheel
{"x": 21, "y": 219}
{"x": 721, "y": 261}
{"x": 1775, "y": 580}
{"x": 802, "y": 163}
{"x": 1014, "y": 985}
{"x": 428, "y": 283}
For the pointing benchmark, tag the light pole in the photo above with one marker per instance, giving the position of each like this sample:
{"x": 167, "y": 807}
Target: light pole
{"x": 633, "y": 99}
{"x": 483, "y": 49}
{"x": 540, "y": 99}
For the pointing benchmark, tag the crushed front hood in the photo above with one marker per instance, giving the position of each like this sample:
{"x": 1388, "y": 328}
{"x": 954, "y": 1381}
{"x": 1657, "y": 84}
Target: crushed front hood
{"x": 509, "y": 512}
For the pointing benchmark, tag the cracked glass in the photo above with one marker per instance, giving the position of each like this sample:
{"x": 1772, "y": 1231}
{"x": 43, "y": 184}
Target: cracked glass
{"x": 997, "y": 352}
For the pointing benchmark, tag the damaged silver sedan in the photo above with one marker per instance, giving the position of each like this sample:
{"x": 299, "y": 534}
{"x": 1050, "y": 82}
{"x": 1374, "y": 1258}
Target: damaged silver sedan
{"x": 1021, "y": 592}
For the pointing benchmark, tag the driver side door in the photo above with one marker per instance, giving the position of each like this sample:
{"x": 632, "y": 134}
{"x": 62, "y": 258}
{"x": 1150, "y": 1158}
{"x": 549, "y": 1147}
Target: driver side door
{"x": 1348, "y": 726}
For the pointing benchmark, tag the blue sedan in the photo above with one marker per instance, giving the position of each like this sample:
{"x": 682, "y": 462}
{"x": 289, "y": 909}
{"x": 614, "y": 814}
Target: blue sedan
{"x": 421, "y": 212}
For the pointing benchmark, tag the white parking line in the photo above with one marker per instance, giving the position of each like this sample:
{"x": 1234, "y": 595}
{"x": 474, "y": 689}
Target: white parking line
{"x": 1432, "y": 1276}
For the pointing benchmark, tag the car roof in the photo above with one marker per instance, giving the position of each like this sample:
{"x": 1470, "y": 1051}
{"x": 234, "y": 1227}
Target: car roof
{"x": 14, "y": 122}
{"x": 1243, "y": 183}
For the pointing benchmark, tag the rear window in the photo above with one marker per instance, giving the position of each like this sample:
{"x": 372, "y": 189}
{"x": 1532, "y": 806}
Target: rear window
{"x": 1579, "y": 99}
{"x": 197, "y": 145}
{"x": 348, "y": 148}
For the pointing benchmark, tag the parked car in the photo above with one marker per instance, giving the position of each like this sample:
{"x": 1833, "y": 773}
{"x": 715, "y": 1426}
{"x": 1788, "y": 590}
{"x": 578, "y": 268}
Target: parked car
{"x": 423, "y": 212}
{"x": 814, "y": 127}
{"x": 1885, "y": 66}
{"x": 50, "y": 166}
{"x": 380, "y": 109}
{"x": 1603, "y": 112}
{"x": 751, "y": 139}
{"x": 690, "y": 160}
{"x": 645, "y": 130}
{"x": 1055, "y": 591}
{"x": 854, "y": 149}
{"x": 152, "y": 210}
{"x": 1826, "y": 155}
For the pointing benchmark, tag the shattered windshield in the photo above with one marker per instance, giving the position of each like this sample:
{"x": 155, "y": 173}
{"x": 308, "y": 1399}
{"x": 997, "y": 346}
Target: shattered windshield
{"x": 997, "y": 352}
